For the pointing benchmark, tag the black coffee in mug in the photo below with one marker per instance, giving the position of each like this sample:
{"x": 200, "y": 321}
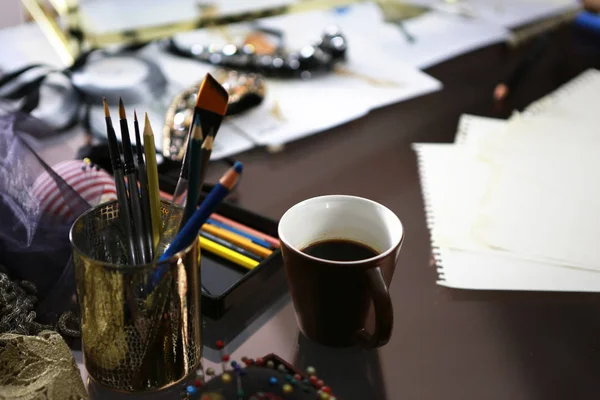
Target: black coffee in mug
{"x": 340, "y": 250}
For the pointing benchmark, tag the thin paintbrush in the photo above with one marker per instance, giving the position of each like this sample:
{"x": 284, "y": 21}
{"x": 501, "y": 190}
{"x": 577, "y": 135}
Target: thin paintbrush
{"x": 145, "y": 194}
{"x": 134, "y": 193}
{"x": 153, "y": 188}
{"x": 195, "y": 150}
{"x": 117, "y": 166}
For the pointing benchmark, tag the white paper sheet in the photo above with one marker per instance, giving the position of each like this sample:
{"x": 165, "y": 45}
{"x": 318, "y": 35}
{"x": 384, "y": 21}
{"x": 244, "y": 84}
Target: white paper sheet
{"x": 449, "y": 216}
{"x": 506, "y": 13}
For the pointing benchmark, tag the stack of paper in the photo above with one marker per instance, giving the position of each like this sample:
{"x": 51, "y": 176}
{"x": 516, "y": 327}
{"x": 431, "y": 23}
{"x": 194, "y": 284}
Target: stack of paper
{"x": 513, "y": 205}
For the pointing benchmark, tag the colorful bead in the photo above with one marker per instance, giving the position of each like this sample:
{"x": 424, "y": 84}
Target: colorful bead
{"x": 225, "y": 357}
{"x": 260, "y": 362}
{"x": 332, "y": 398}
{"x": 197, "y": 383}
{"x": 288, "y": 377}
{"x": 298, "y": 377}
{"x": 226, "y": 377}
{"x": 220, "y": 344}
{"x": 311, "y": 371}
{"x": 234, "y": 364}
{"x": 281, "y": 368}
{"x": 190, "y": 389}
{"x": 313, "y": 380}
{"x": 270, "y": 364}
{"x": 293, "y": 382}
{"x": 326, "y": 389}
{"x": 273, "y": 380}
{"x": 320, "y": 384}
{"x": 199, "y": 373}
{"x": 249, "y": 361}
{"x": 323, "y": 396}
{"x": 210, "y": 371}
{"x": 287, "y": 388}
{"x": 244, "y": 359}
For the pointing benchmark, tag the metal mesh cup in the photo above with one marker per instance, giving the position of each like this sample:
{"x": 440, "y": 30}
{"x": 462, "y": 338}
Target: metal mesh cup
{"x": 140, "y": 324}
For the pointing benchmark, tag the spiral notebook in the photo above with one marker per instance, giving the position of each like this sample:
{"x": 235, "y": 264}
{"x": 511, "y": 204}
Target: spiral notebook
{"x": 454, "y": 179}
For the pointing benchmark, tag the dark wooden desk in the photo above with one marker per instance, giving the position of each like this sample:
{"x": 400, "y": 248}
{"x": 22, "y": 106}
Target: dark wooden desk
{"x": 447, "y": 344}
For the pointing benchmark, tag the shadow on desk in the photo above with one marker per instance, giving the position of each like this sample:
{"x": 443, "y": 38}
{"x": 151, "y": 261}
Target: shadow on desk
{"x": 352, "y": 373}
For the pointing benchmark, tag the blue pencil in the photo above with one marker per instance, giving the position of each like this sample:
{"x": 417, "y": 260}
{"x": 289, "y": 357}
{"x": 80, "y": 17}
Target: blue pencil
{"x": 190, "y": 230}
{"x": 254, "y": 239}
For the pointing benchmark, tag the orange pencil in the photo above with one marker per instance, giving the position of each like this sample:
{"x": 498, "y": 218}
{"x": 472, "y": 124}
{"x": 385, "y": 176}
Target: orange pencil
{"x": 238, "y": 240}
{"x": 270, "y": 239}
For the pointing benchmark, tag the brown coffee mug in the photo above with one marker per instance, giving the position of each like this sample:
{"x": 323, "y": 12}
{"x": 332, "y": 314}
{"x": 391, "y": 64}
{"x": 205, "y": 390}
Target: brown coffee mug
{"x": 332, "y": 298}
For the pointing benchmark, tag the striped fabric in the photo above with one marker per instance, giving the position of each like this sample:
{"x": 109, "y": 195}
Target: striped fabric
{"x": 93, "y": 184}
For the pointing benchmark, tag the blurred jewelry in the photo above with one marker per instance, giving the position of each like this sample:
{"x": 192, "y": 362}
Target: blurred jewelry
{"x": 246, "y": 90}
{"x": 319, "y": 57}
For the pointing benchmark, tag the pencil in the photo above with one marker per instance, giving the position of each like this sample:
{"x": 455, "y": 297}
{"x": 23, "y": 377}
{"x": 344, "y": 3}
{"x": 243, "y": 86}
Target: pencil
{"x": 237, "y": 240}
{"x": 229, "y": 245}
{"x": 189, "y": 232}
{"x": 143, "y": 179}
{"x": 153, "y": 188}
{"x": 134, "y": 193}
{"x": 227, "y": 254}
{"x": 224, "y": 220}
{"x": 117, "y": 166}
{"x": 248, "y": 236}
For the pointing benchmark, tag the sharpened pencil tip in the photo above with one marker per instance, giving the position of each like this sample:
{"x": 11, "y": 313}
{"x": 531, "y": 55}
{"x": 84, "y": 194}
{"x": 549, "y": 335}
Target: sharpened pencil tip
{"x": 147, "y": 127}
{"x": 106, "y": 111}
{"x": 134, "y": 115}
{"x": 122, "y": 114}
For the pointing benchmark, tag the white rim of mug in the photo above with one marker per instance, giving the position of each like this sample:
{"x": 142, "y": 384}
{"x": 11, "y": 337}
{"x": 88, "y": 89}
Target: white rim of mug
{"x": 341, "y": 263}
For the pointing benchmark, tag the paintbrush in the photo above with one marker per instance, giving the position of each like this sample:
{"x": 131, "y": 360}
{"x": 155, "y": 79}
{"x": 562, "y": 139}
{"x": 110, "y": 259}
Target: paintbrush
{"x": 211, "y": 107}
{"x": 153, "y": 188}
{"x": 118, "y": 173}
{"x": 134, "y": 193}
{"x": 145, "y": 194}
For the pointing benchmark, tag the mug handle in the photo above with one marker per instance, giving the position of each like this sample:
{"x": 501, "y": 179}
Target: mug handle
{"x": 384, "y": 314}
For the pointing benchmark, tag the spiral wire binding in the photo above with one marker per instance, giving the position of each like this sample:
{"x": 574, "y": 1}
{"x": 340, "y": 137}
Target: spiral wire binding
{"x": 429, "y": 214}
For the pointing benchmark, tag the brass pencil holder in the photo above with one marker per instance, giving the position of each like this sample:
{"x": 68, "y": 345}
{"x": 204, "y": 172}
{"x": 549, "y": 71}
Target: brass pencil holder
{"x": 140, "y": 324}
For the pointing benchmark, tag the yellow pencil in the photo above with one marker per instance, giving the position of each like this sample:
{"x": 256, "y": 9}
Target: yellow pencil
{"x": 153, "y": 188}
{"x": 238, "y": 240}
{"x": 227, "y": 254}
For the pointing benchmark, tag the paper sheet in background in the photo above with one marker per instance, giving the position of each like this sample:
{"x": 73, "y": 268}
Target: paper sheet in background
{"x": 479, "y": 268}
{"x": 371, "y": 78}
{"x": 507, "y": 13}
{"x": 547, "y": 181}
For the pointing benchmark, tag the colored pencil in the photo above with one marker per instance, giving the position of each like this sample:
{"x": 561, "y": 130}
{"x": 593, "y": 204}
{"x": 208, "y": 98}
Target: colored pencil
{"x": 238, "y": 240}
{"x": 118, "y": 173}
{"x": 250, "y": 237}
{"x": 224, "y": 220}
{"x": 189, "y": 232}
{"x": 229, "y": 245}
{"x": 227, "y": 254}
{"x": 153, "y": 188}
{"x": 143, "y": 180}
{"x": 134, "y": 193}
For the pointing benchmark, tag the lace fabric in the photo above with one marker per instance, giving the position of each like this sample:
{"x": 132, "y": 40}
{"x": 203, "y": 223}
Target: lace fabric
{"x": 38, "y": 368}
